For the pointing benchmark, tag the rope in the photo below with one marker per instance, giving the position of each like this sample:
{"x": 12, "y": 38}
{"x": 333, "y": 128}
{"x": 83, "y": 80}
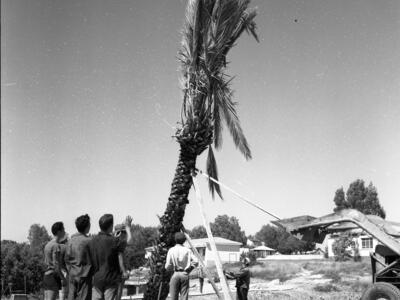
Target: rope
{"x": 237, "y": 194}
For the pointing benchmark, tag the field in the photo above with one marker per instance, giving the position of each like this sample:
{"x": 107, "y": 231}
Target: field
{"x": 319, "y": 279}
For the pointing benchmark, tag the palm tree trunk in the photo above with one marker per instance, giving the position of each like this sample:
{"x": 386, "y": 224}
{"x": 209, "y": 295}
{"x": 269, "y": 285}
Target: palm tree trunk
{"x": 171, "y": 222}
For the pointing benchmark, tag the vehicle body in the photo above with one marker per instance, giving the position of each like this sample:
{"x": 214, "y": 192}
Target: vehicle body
{"x": 385, "y": 260}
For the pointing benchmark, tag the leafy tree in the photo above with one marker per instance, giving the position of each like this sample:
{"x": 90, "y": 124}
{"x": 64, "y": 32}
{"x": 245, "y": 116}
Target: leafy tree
{"x": 198, "y": 232}
{"x": 143, "y": 237}
{"x": 211, "y": 29}
{"x": 269, "y": 235}
{"x": 19, "y": 262}
{"x": 38, "y": 237}
{"x": 340, "y": 200}
{"x": 228, "y": 228}
{"x": 341, "y": 245}
{"x": 371, "y": 202}
{"x": 358, "y": 196}
{"x": 280, "y": 240}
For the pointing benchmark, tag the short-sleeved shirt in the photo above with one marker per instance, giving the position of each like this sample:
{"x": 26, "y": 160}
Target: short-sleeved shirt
{"x": 103, "y": 251}
{"x": 179, "y": 258}
{"x": 52, "y": 256}
{"x": 77, "y": 257}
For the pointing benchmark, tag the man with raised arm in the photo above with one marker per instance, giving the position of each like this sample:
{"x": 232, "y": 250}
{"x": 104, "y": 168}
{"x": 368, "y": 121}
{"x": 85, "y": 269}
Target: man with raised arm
{"x": 104, "y": 250}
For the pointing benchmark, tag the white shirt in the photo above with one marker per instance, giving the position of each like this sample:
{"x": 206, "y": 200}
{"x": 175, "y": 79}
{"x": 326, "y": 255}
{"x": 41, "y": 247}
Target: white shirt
{"x": 179, "y": 258}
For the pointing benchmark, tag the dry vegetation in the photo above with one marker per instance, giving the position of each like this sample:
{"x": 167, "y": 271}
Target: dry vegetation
{"x": 305, "y": 280}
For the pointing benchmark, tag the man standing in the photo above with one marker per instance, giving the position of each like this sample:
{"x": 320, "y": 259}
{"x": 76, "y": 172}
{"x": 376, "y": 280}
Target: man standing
{"x": 52, "y": 258}
{"x": 78, "y": 262}
{"x": 120, "y": 232}
{"x": 181, "y": 261}
{"x": 104, "y": 250}
{"x": 242, "y": 279}
{"x": 63, "y": 293}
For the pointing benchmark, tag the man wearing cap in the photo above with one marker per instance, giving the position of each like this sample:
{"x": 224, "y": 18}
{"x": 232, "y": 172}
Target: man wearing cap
{"x": 104, "y": 249}
{"x": 78, "y": 262}
{"x": 182, "y": 262}
{"x": 52, "y": 258}
{"x": 242, "y": 279}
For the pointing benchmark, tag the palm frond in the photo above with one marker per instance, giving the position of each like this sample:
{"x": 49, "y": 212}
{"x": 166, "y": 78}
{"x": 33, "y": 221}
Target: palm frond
{"x": 211, "y": 29}
{"x": 217, "y": 128}
{"x": 213, "y": 172}
{"x": 224, "y": 96}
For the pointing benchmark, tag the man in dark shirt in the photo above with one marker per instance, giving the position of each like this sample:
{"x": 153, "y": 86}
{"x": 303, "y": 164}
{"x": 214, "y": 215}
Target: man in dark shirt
{"x": 78, "y": 262}
{"x": 104, "y": 249}
{"x": 63, "y": 293}
{"x": 52, "y": 258}
{"x": 242, "y": 279}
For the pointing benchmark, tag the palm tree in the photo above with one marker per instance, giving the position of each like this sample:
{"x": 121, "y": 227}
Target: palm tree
{"x": 211, "y": 29}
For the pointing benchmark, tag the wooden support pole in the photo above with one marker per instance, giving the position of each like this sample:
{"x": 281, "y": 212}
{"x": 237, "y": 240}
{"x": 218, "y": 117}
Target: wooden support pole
{"x": 201, "y": 262}
{"x": 217, "y": 259}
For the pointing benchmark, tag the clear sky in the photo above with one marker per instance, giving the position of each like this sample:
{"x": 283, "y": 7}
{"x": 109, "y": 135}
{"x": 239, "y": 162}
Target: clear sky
{"x": 90, "y": 96}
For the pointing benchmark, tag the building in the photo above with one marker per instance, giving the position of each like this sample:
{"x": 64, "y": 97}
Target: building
{"x": 360, "y": 239}
{"x": 229, "y": 251}
{"x": 263, "y": 251}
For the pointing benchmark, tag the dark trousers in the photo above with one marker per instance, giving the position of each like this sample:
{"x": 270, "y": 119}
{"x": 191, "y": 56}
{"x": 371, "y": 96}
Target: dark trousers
{"x": 80, "y": 289}
{"x": 242, "y": 293}
{"x": 179, "y": 284}
{"x": 201, "y": 281}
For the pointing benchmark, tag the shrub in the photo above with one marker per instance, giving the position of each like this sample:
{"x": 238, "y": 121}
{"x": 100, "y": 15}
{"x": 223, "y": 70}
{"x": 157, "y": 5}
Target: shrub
{"x": 341, "y": 247}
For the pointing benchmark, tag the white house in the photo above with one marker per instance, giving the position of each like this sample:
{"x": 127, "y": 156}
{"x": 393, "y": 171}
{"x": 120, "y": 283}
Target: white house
{"x": 229, "y": 251}
{"x": 361, "y": 239}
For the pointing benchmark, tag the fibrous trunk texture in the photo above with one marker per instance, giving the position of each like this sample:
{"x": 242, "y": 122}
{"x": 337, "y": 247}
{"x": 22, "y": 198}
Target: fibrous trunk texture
{"x": 171, "y": 222}
{"x": 193, "y": 138}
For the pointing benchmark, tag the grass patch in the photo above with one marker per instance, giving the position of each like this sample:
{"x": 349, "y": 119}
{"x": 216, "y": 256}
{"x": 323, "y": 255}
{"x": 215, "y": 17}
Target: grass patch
{"x": 275, "y": 270}
{"x": 359, "y": 286}
{"x": 326, "y": 288}
{"x": 333, "y": 274}
{"x": 333, "y": 270}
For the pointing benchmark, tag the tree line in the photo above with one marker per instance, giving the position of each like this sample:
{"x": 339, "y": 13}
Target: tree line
{"x": 22, "y": 264}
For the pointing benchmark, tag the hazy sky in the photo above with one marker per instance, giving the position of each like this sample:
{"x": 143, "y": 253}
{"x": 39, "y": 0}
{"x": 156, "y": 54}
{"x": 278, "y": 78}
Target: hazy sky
{"x": 90, "y": 96}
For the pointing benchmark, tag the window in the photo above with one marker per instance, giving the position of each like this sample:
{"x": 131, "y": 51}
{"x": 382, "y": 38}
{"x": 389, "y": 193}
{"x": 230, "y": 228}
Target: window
{"x": 366, "y": 243}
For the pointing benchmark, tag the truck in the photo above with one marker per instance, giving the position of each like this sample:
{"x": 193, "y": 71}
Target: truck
{"x": 385, "y": 260}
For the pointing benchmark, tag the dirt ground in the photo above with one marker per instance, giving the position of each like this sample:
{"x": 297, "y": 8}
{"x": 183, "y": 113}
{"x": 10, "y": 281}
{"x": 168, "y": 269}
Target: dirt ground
{"x": 327, "y": 280}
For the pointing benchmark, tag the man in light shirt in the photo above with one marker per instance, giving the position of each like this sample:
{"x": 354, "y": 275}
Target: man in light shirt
{"x": 180, "y": 260}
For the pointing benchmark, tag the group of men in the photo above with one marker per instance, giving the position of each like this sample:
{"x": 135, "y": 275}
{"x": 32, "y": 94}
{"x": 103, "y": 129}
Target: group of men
{"x": 92, "y": 267}
{"x": 87, "y": 267}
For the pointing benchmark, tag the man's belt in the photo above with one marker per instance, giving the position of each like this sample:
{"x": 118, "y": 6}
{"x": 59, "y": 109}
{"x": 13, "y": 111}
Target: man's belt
{"x": 179, "y": 270}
